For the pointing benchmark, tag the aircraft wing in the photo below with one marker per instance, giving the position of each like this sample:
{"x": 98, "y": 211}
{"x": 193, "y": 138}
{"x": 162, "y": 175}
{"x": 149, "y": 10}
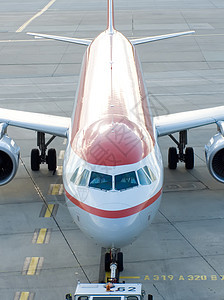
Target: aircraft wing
{"x": 172, "y": 123}
{"x": 54, "y": 125}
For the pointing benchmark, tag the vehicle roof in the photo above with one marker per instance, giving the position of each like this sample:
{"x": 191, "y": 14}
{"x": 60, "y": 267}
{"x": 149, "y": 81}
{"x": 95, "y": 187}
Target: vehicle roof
{"x": 100, "y": 289}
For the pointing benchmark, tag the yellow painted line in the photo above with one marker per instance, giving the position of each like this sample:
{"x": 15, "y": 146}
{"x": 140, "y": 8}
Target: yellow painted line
{"x": 33, "y": 266}
{"x": 49, "y": 210}
{"x": 42, "y": 236}
{"x": 107, "y": 275}
{"x": 24, "y": 296}
{"x": 56, "y": 189}
{"x": 21, "y": 28}
{"x": 130, "y": 277}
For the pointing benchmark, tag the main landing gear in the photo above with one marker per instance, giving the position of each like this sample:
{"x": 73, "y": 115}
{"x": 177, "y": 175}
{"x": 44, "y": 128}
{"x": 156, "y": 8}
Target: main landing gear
{"x": 185, "y": 155}
{"x": 39, "y": 156}
{"x": 114, "y": 265}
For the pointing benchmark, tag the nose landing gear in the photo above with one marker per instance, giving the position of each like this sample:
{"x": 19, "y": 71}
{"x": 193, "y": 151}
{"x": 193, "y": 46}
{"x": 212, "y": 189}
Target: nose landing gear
{"x": 114, "y": 264}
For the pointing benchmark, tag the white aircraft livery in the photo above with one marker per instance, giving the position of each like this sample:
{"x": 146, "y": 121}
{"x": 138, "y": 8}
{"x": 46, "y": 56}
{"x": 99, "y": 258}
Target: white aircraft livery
{"x": 112, "y": 171}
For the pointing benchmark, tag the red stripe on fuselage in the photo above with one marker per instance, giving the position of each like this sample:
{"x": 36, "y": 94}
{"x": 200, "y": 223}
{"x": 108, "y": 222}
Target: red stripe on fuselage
{"x": 113, "y": 214}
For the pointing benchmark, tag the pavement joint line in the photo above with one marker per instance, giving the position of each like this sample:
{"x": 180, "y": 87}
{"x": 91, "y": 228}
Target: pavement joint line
{"x": 21, "y": 28}
{"x": 188, "y": 241}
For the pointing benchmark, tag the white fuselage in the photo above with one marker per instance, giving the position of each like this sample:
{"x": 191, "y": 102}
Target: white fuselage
{"x": 112, "y": 172}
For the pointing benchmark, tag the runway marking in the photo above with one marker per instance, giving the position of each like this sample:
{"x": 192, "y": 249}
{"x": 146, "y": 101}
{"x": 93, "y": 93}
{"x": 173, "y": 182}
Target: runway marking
{"x": 41, "y": 236}
{"x": 60, "y": 170}
{"x": 24, "y": 296}
{"x": 49, "y": 211}
{"x": 21, "y": 28}
{"x": 19, "y": 41}
{"x": 56, "y": 189}
{"x": 32, "y": 266}
{"x": 62, "y": 154}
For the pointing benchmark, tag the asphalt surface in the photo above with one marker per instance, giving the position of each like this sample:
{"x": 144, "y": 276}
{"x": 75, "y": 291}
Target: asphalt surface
{"x": 181, "y": 255}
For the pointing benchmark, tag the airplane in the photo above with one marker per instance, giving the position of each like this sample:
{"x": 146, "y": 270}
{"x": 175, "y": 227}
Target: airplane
{"x": 112, "y": 169}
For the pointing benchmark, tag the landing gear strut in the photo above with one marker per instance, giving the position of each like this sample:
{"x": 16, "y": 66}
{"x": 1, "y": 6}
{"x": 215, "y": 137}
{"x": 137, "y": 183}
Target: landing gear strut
{"x": 186, "y": 156}
{"x": 39, "y": 156}
{"x": 114, "y": 265}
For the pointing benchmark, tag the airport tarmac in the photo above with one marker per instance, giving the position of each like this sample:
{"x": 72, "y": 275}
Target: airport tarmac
{"x": 181, "y": 255}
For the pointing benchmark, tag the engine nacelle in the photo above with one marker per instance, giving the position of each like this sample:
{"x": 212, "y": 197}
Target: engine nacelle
{"x": 214, "y": 152}
{"x": 9, "y": 159}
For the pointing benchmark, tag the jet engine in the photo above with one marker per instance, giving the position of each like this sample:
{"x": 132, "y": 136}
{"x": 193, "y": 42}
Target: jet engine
{"x": 214, "y": 152}
{"x": 9, "y": 158}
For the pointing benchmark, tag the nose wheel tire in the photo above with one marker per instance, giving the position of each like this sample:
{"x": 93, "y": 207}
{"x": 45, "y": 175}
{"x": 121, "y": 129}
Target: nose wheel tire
{"x": 107, "y": 262}
{"x": 120, "y": 265}
{"x": 35, "y": 160}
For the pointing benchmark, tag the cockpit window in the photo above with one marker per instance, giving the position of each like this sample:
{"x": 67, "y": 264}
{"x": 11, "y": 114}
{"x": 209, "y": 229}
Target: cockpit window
{"x": 100, "y": 181}
{"x": 125, "y": 181}
{"x": 149, "y": 173}
{"x": 80, "y": 177}
{"x": 143, "y": 178}
{"x": 74, "y": 175}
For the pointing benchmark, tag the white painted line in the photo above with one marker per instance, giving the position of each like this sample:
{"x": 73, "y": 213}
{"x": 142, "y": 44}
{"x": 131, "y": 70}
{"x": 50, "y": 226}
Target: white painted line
{"x": 20, "y": 41}
{"x": 61, "y": 154}
{"x": 36, "y": 16}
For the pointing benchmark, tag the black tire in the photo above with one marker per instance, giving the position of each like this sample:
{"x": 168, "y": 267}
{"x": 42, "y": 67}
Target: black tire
{"x": 172, "y": 158}
{"x": 68, "y": 297}
{"x": 189, "y": 158}
{"x": 35, "y": 160}
{"x": 120, "y": 266}
{"x": 107, "y": 262}
{"x": 150, "y": 297}
{"x": 52, "y": 160}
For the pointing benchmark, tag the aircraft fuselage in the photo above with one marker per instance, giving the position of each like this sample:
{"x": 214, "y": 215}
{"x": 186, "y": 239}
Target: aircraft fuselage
{"x": 113, "y": 170}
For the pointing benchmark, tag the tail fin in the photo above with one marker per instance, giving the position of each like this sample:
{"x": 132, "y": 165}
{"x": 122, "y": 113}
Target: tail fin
{"x": 110, "y": 16}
